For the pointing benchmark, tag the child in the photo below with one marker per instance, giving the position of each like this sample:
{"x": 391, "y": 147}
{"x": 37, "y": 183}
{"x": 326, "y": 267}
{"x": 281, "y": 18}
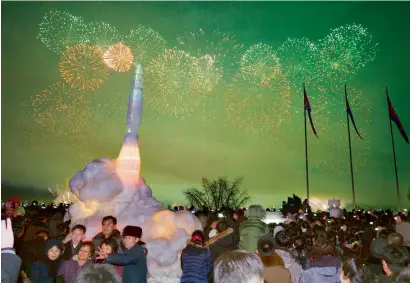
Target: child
{"x": 133, "y": 260}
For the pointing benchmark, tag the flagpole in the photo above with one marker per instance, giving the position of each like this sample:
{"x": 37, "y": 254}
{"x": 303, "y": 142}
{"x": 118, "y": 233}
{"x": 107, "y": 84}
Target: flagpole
{"x": 394, "y": 157}
{"x": 350, "y": 154}
{"x": 306, "y": 149}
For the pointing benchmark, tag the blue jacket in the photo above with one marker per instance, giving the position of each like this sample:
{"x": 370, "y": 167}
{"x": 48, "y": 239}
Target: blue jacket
{"x": 134, "y": 262}
{"x": 196, "y": 264}
{"x": 325, "y": 270}
{"x": 10, "y": 265}
{"x": 39, "y": 273}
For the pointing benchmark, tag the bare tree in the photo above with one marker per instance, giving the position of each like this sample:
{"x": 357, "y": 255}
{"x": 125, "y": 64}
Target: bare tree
{"x": 218, "y": 194}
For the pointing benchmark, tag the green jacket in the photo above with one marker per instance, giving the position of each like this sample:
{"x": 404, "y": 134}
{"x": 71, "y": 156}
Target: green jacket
{"x": 250, "y": 231}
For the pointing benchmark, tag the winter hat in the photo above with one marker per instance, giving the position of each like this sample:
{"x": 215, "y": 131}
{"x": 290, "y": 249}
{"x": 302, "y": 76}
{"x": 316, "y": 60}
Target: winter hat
{"x": 54, "y": 243}
{"x": 377, "y": 246}
{"x": 277, "y": 230}
{"x": 133, "y": 231}
{"x": 266, "y": 245}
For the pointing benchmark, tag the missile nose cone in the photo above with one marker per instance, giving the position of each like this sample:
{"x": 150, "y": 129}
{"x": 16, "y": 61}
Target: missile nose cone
{"x": 139, "y": 70}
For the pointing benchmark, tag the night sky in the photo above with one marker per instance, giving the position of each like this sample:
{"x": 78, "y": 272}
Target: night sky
{"x": 230, "y": 127}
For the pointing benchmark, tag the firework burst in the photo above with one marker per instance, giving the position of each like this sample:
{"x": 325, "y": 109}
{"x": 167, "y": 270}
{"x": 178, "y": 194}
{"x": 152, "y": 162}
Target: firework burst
{"x": 102, "y": 35}
{"x": 61, "y": 30}
{"x": 221, "y": 47}
{"x": 119, "y": 57}
{"x": 82, "y": 67}
{"x": 145, "y": 44}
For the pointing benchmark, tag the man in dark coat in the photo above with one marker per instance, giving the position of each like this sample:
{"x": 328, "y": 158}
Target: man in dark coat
{"x": 133, "y": 260}
{"x": 109, "y": 231}
{"x": 73, "y": 241}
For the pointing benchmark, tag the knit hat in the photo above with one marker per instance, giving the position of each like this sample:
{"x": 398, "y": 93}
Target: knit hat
{"x": 377, "y": 246}
{"x": 277, "y": 230}
{"x": 266, "y": 245}
{"x": 133, "y": 231}
{"x": 54, "y": 243}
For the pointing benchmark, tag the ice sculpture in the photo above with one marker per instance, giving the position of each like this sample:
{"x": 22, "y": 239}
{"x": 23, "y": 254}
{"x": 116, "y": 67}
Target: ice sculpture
{"x": 115, "y": 187}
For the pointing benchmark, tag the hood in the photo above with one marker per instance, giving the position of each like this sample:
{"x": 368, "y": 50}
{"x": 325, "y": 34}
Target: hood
{"x": 272, "y": 260}
{"x": 326, "y": 261}
{"x": 288, "y": 259}
{"x": 327, "y": 271}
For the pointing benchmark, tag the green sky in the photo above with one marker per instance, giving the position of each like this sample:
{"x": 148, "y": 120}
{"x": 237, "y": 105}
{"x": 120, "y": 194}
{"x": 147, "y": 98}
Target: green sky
{"x": 176, "y": 152}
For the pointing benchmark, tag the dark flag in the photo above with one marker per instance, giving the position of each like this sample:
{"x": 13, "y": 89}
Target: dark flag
{"x": 395, "y": 118}
{"x": 349, "y": 112}
{"x": 309, "y": 109}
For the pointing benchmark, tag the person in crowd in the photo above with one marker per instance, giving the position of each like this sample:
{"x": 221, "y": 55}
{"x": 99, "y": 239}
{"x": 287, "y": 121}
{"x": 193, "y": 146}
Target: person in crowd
{"x": 253, "y": 228}
{"x": 70, "y": 268}
{"x": 210, "y": 228}
{"x": 224, "y": 241}
{"x": 283, "y": 243}
{"x": 394, "y": 259}
{"x": 400, "y": 277}
{"x": 323, "y": 266}
{"x": 238, "y": 266}
{"x": 96, "y": 273}
{"x": 32, "y": 251}
{"x": 274, "y": 270}
{"x": 10, "y": 262}
{"x": 355, "y": 271}
{"x": 109, "y": 230}
{"x": 376, "y": 253}
{"x": 110, "y": 246}
{"x": 403, "y": 228}
{"x": 298, "y": 250}
{"x": 46, "y": 270}
{"x": 196, "y": 260}
{"x": 395, "y": 239}
{"x": 351, "y": 247}
{"x": 133, "y": 260}
{"x": 73, "y": 241}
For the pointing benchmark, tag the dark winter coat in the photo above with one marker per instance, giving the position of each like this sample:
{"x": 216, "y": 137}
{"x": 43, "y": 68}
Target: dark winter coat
{"x": 70, "y": 251}
{"x": 134, "y": 262}
{"x": 70, "y": 269}
{"x": 10, "y": 265}
{"x": 196, "y": 264}
{"x": 39, "y": 273}
{"x": 115, "y": 235}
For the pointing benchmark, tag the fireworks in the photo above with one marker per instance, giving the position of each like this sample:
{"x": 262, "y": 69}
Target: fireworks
{"x": 145, "y": 44}
{"x": 61, "y": 30}
{"x": 259, "y": 93}
{"x": 119, "y": 57}
{"x": 298, "y": 58}
{"x": 102, "y": 35}
{"x": 172, "y": 83}
{"x": 82, "y": 67}
{"x": 61, "y": 110}
{"x": 343, "y": 52}
{"x": 223, "y": 48}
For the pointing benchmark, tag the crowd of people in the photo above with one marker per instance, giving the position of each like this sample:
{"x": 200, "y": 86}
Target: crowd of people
{"x": 235, "y": 245}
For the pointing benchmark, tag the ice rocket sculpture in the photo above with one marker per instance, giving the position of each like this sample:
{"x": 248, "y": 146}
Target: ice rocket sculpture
{"x": 134, "y": 105}
{"x": 129, "y": 162}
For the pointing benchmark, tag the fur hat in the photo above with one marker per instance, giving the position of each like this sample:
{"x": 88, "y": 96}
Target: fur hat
{"x": 133, "y": 231}
{"x": 377, "y": 246}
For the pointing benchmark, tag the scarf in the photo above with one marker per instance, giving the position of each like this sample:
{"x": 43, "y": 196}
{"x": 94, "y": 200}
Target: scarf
{"x": 53, "y": 266}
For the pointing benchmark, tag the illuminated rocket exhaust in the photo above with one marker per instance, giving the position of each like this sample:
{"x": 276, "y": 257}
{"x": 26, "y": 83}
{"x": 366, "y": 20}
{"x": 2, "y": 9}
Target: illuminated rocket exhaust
{"x": 129, "y": 162}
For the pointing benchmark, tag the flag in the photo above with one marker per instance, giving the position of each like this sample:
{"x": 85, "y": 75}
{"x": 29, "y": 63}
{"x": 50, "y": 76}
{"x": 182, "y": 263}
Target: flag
{"x": 308, "y": 109}
{"x": 350, "y": 113}
{"x": 395, "y": 118}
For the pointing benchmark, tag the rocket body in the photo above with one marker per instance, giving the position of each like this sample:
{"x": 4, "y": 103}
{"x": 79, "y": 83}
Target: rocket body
{"x": 134, "y": 105}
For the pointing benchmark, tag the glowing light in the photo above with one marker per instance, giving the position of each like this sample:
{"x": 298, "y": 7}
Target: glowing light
{"x": 119, "y": 57}
{"x": 145, "y": 44}
{"x": 61, "y": 30}
{"x": 82, "y": 67}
